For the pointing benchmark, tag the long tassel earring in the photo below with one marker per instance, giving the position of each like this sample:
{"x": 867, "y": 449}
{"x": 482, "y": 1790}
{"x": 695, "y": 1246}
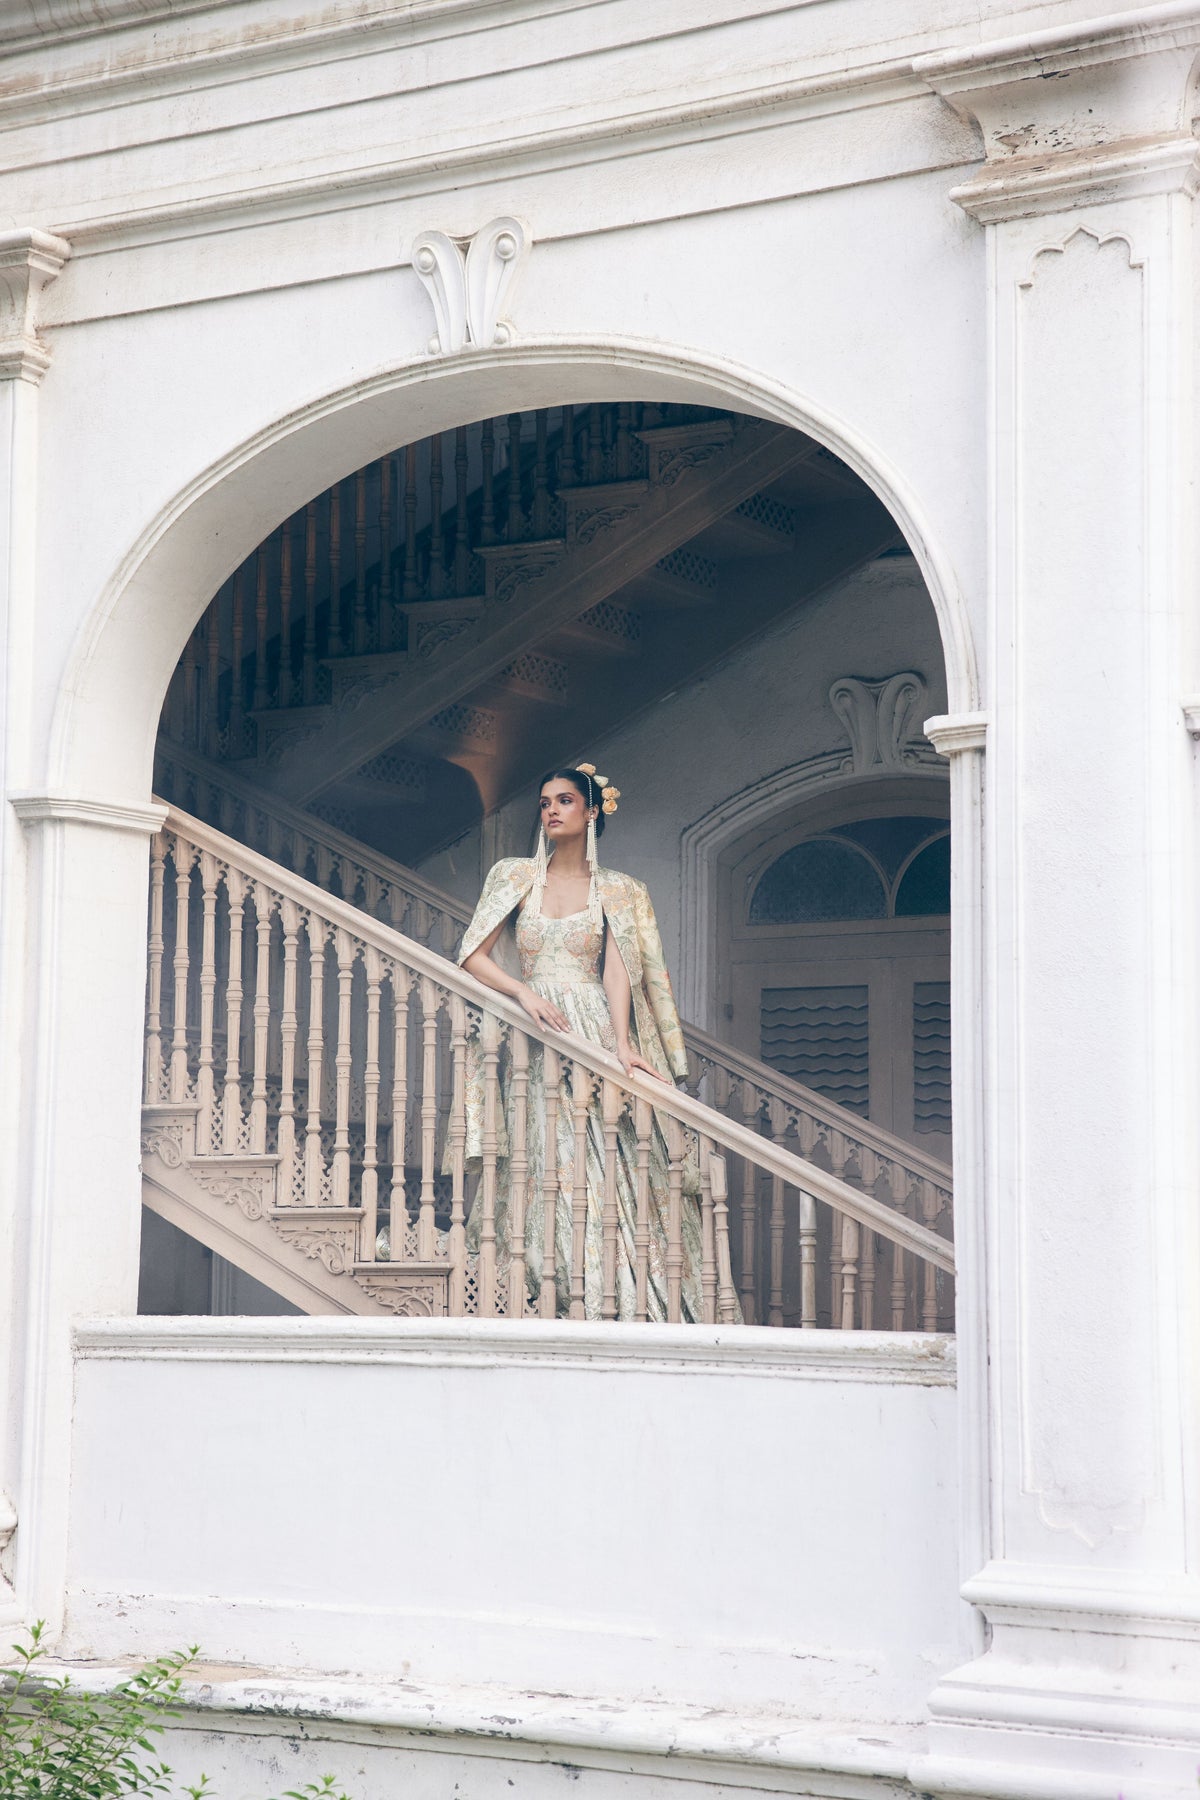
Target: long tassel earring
{"x": 540, "y": 868}
{"x": 593, "y": 862}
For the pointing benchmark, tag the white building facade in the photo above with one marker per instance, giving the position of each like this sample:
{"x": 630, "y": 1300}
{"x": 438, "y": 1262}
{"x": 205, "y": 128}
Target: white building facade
{"x": 953, "y": 246}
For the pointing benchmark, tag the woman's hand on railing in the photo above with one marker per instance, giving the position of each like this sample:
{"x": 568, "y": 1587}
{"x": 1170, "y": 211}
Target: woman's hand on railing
{"x": 629, "y": 1060}
{"x": 542, "y": 1012}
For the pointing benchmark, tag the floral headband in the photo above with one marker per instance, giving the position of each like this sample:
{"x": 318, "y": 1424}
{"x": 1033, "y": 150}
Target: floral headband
{"x": 609, "y": 795}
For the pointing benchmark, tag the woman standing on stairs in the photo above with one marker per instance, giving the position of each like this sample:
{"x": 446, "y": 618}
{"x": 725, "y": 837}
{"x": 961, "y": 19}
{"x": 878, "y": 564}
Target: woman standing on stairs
{"x": 592, "y": 964}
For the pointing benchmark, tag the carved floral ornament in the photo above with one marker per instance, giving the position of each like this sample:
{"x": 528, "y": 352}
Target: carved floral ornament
{"x": 468, "y": 280}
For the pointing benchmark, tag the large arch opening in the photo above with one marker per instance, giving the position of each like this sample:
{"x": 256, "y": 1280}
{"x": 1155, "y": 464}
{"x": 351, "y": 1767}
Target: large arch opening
{"x": 715, "y": 533}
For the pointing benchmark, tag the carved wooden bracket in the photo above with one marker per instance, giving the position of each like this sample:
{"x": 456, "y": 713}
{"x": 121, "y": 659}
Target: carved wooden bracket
{"x": 467, "y": 280}
{"x": 29, "y": 261}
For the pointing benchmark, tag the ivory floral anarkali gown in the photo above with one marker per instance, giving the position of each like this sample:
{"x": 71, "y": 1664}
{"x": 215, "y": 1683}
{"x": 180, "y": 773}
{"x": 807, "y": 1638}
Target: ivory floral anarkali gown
{"x": 561, "y": 960}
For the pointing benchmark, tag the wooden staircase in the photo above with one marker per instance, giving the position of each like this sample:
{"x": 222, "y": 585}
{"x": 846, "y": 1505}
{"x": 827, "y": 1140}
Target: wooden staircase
{"x": 429, "y": 633}
{"x": 744, "y": 1092}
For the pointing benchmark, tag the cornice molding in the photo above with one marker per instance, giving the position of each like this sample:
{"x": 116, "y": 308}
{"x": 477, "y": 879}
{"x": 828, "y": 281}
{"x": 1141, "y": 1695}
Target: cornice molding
{"x": 28, "y": 24}
{"x": 1062, "y": 48}
{"x": 1191, "y": 717}
{"x": 1076, "y": 115}
{"x": 433, "y": 171}
{"x": 909, "y": 1359}
{"x": 29, "y": 261}
{"x": 1028, "y": 187}
{"x": 109, "y": 815}
{"x": 951, "y": 734}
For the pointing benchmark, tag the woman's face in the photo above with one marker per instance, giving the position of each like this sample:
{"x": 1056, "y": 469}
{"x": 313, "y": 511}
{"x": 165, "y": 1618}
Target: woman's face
{"x": 565, "y": 813}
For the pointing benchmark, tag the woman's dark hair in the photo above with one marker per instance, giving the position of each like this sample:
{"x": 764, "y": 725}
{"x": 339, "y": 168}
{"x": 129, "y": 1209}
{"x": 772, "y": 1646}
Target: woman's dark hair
{"x": 583, "y": 784}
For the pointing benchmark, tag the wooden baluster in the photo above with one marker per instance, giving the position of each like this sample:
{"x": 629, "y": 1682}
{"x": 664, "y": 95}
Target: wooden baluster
{"x": 262, "y": 693}
{"x": 624, "y": 443}
{"x": 154, "y": 1050}
{"x": 448, "y": 927}
{"x": 289, "y": 915}
{"x": 262, "y": 1019}
{"x": 551, "y": 1087}
{"x": 929, "y": 1298}
{"x": 358, "y": 635}
{"x": 369, "y": 1191}
{"x": 212, "y": 685}
{"x": 777, "y": 1123}
{"x": 808, "y": 1262}
{"x": 412, "y": 577}
{"x": 566, "y": 453}
{"x": 643, "y": 1125}
{"x": 456, "y": 1140}
{"x": 518, "y": 1168}
{"x": 899, "y": 1180}
{"x": 487, "y": 515}
{"x": 580, "y": 1090}
{"x": 231, "y": 1099}
{"x": 612, "y": 1102}
{"x": 748, "y": 1215}
{"x": 314, "y": 1160}
{"x": 437, "y": 541}
{"x": 462, "y": 545}
{"x": 838, "y": 1148}
{"x": 869, "y": 1164}
{"x": 516, "y": 519}
{"x": 385, "y": 548}
{"x": 286, "y": 681}
{"x": 708, "y": 1237}
{"x": 595, "y": 444}
{"x": 337, "y": 642}
{"x": 401, "y": 1001}
{"x": 183, "y": 888}
{"x": 718, "y": 1176}
{"x": 490, "y": 1034}
{"x": 342, "y": 1067}
{"x": 540, "y": 509}
{"x": 849, "y": 1286}
{"x": 308, "y": 659}
{"x": 426, "y": 1232}
{"x": 205, "y": 1082}
{"x": 675, "y": 1223}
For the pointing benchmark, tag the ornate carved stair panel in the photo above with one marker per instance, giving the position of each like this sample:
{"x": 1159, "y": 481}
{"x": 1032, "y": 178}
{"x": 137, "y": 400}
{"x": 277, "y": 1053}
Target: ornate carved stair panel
{"x": 304, "y": 1088}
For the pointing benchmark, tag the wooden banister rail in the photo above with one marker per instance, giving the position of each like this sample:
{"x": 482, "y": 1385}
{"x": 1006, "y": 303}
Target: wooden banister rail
{"x": 437, "y": 917}
{"x": 301, "y": 1030}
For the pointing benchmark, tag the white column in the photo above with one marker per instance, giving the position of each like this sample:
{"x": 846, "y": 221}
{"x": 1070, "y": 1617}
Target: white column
{"x": 77, "y": 1187}
{"x": 1086, "y": 1419}
{"x": 28, "y": 261}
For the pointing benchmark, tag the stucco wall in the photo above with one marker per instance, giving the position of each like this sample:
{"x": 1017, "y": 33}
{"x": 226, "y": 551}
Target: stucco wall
{"x": 613, "y": 1510}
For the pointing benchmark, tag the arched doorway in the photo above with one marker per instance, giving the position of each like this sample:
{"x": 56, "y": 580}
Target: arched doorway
{"x": 834, "y": 951}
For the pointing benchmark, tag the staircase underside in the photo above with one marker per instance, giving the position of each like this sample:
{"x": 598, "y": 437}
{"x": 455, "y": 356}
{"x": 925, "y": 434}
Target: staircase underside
{"x": 646, "y": 568}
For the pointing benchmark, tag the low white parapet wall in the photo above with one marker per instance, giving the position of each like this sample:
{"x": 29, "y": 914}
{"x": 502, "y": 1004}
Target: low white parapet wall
{"x": 743, "y": 1519}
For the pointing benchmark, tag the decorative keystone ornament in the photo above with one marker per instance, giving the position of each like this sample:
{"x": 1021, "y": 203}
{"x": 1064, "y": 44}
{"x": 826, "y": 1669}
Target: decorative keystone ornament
{"x": 468, "y": 279}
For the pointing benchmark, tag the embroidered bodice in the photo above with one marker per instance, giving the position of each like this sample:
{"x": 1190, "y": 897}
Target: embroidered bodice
{"x": 558, "y": 953}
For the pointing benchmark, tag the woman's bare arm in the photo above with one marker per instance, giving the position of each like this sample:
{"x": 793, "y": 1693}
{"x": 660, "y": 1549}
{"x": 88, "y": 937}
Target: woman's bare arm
{"x": 617, "y": 989}
{"x": 483, "y": 967}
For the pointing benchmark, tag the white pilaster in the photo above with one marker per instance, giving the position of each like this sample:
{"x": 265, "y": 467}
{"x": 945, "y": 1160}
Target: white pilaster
{"x": 77, "y": 1187}
{"x": 1090, "y": 1682}
{"x": 28, "y": 261}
